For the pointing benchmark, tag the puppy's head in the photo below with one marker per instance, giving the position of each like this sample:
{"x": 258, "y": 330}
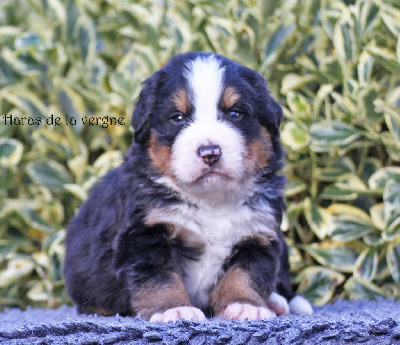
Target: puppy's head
{"x": 208, "y": 124}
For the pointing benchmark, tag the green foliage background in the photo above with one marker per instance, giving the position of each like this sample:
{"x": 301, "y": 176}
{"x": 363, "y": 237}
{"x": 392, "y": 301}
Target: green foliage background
{"x": 334, "y": 65}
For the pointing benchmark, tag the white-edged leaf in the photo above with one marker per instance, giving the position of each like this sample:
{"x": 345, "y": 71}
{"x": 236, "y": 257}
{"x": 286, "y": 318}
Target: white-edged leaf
{"x": 276, "y": 40}
{"x": 364, "y": 68}
{"x": 295, "y": 186}
{"x": 358, "y": 289}
{"x": 15, "y": 269}
{"x": 10, "y": 152}
{"x": 335, "y": 255}
{"x": 323, "y": 92}
{"x": 379, "y": 179}
{"x": 38, "y": 292}
{"x": 367, "y": 264}
{"x": 318, "y": 284}
{"x": 292, "y": 81}
{"x": 76, "y": 191}
{"x": 49, "y": 174}
{"x": 386, "y": 57}
{"x": 72, "y": 106}
{"x": 335, "y": 133}
{"x": 350, "y": 222}
{"x": 319, "y": 219}
{"x": 108, "y": 161}
{"x": 295, "y": 136}
{"x": 351, "y": 183}
{"x": 333, "y": 192}
{"x": 299, "y": 105}
{"x": 398, "y": 48}
{"x": 344, "y": 41}
{"x": 377, "y": 213}
{"x": 393, "y": 261}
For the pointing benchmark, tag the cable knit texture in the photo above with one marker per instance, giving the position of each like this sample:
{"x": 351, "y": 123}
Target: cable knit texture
{"x": 363, "y": 322}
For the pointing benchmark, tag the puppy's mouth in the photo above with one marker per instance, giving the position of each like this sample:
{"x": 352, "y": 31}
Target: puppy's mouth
{"x": 211, "y": 173}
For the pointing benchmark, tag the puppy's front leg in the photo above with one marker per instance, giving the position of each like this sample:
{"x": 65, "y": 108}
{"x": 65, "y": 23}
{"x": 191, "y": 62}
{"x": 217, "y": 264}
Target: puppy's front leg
{"x": 164, "y": 301}
{"x": 146, "y": 262}
{"x": 251, "y": 274}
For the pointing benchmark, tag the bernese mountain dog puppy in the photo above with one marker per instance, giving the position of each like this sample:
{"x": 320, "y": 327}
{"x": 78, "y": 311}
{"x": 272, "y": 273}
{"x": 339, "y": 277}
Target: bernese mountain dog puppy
{"x": 189, "y": 224}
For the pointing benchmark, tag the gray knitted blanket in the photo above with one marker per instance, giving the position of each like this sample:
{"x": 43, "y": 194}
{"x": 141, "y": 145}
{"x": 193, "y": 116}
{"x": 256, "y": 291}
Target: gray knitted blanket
{"x": 362, "y": 322}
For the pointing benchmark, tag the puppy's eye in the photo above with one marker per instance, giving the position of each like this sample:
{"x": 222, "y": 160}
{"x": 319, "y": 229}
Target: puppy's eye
{"x": 178, "y": 119}
{"x": 235, "y": 115}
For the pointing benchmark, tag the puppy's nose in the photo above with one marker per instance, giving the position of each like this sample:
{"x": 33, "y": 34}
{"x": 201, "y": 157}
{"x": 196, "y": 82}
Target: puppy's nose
{"x": 209, "y": 153}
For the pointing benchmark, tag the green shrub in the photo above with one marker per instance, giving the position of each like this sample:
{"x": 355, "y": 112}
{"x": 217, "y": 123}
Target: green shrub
{"x": 334, "y": 66}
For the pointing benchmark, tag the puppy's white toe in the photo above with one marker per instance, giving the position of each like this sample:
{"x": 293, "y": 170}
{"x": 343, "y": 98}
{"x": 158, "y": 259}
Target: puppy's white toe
{"x": 278, "y": 304}
{"x": 178, "y": 313}
{"x": 299, "y": 305}
{"x": 243, "y": 311}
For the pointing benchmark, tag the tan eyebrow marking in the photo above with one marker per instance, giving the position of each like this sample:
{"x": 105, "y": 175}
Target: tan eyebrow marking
{"x": 229, "y": 97}
{"x": 181, "y": 100}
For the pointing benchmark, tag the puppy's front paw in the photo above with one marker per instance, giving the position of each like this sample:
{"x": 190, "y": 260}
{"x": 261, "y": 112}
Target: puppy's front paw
{"x": 174, "y": 314}
{"x": 278, "y": 304}
{"x": 243, "y": 311}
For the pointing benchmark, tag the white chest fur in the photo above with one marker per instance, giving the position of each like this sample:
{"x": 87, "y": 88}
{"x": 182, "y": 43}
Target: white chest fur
{"x": 219, "y": 229}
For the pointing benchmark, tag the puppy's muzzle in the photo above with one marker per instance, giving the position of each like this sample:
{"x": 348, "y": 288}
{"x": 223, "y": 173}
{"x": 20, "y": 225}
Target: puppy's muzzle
{"x": 209, "y": 153}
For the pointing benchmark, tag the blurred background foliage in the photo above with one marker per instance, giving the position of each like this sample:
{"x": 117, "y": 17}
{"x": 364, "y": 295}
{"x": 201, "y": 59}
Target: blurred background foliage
{"x": 334, "y": 65}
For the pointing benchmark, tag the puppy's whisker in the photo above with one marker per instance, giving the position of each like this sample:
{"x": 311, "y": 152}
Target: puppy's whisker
{"x": 257, "y": 166}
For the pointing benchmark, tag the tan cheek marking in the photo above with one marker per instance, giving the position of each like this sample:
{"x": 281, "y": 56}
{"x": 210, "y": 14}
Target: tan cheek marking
{"x": 156, "y": 298}
{"x": 234, "y": 286}
{"x": 181, "y": 101}
{"x": 259, "y": 152}
{"x": 229, "y": 97}
{"x": 160, "y": 156}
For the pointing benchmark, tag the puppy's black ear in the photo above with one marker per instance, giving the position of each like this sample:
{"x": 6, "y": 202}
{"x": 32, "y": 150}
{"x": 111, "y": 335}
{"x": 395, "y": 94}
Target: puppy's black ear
{"x": 142, "y": 115}
{"x": 270, "y": 112}
{"x": 273, "y": 112}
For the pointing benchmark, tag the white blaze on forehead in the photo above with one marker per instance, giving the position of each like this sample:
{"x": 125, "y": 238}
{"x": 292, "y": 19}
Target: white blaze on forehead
{"x": 205, "y": 79}
{"x": 205, "y": 76}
